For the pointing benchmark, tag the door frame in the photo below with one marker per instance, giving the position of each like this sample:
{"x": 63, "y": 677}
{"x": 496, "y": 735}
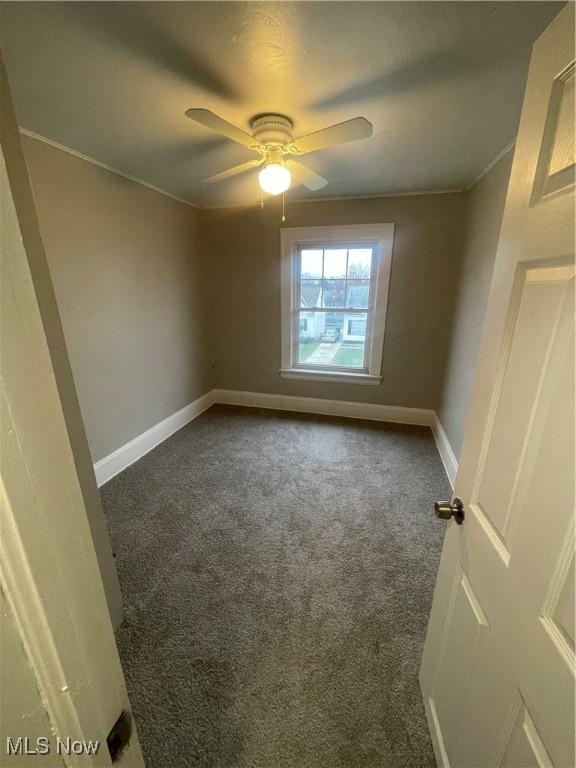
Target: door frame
{"x": 49, "y": 568}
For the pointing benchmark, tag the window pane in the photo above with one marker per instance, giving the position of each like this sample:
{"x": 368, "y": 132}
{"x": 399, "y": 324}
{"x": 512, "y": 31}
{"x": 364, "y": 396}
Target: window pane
{"x": 332, "y": 339}
{"x": 357, "y": 293}
{"x": 311, "y": 293}
{"x": 335, "y": 262}
{"x": 359, "y": 263}
{"x": 333, "y": 293}
{"x": 311, "y": 264}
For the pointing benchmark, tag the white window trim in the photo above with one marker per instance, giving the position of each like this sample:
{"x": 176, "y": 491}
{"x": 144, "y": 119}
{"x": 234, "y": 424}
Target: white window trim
{"x": 382, "y": 235}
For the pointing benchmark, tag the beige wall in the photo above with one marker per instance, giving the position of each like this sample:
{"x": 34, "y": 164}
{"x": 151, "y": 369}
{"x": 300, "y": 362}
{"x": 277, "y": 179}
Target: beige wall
{"x": 244, "y": 248}
{"x": 483, "y": 214}
{"x": 130, "y": 279}
{"x": 160, "y": 302}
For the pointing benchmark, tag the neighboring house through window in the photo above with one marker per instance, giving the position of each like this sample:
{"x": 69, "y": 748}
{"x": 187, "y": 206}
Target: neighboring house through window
{"x": 334, "y": 295}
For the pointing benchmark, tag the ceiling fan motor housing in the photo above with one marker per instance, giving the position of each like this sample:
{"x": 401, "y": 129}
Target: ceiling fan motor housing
{"x": 272, "y": 129}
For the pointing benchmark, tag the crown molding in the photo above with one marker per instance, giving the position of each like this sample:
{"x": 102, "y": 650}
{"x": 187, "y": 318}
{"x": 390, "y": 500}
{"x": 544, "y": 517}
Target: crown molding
{"x": 88, "y": 159}
{"x": 490, "y": 165}
{"x": 335, "y": 198}
{"x": 415, "y": 193}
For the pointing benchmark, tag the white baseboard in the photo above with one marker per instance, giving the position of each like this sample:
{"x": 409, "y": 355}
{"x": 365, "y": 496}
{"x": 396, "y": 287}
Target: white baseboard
{"x": 116, "y": 462}
{"x": 445, "y": 450}
{"x": 421, "y": 416}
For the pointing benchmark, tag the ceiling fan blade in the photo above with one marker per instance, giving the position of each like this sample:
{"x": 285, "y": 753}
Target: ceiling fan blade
{"x": 232, "y": 171}
{"x": 214, "y": 122}
{"x": 306, "y": 176}
{"x": 349, "y": 130}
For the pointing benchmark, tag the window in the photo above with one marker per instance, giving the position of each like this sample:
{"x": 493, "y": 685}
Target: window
{"x": 334, "y": 295}
{"x": 357, "y": 328}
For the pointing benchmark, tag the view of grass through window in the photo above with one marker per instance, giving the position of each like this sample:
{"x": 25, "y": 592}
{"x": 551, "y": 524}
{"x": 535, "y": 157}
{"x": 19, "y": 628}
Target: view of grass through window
{"x": 334, "y": 301}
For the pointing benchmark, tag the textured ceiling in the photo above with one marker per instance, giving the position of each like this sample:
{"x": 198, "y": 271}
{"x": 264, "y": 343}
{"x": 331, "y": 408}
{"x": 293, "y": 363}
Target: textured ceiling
{"x": 441, "y": 82}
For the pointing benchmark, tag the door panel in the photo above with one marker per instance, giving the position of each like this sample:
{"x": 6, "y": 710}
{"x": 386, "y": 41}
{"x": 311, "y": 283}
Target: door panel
{"x": 559, "y": 617}
{"x": 544, "y": 549}
{"x": 465, "y": 639}
{"x": 533, "y": 329}
{"x": 525, "y": 748}
{"x": 497, "y": 673}
{"x": 465, "y": 625}
{"x": 556, "y": 160}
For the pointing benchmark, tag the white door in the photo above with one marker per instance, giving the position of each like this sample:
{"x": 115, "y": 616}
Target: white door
{"x": 60, "y": 673}
{"x": 497, "y": 674}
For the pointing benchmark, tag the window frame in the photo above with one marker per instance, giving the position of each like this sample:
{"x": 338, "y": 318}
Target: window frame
{"x": 380, "y": 237}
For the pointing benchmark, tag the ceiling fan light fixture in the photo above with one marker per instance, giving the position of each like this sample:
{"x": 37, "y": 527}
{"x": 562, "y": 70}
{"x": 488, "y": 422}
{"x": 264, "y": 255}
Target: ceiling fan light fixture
{"x": 275, "y": 178}
{"x": 272, "y": 140}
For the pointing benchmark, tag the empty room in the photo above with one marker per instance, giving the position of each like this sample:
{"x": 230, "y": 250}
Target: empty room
{"x": 287, "y": 364}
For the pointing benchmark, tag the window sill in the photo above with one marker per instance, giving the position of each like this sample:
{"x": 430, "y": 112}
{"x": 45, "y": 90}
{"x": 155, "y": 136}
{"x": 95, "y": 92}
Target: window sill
{"x": 335, "y": 376}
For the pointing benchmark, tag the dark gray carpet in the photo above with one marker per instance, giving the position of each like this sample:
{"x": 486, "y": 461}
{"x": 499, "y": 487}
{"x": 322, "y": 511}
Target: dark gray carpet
{"x": 277, "y": 572}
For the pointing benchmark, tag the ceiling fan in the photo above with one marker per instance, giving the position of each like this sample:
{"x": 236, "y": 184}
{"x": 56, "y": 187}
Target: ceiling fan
{"x": 272, "y": 139}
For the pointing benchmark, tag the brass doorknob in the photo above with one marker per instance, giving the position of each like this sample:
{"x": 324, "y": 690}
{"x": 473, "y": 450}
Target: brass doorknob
{"x": 447, "y": 509}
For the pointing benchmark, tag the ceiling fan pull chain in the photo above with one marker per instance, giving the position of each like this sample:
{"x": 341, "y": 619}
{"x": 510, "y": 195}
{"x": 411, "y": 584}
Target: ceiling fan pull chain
{"x": 283, "y": 216}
